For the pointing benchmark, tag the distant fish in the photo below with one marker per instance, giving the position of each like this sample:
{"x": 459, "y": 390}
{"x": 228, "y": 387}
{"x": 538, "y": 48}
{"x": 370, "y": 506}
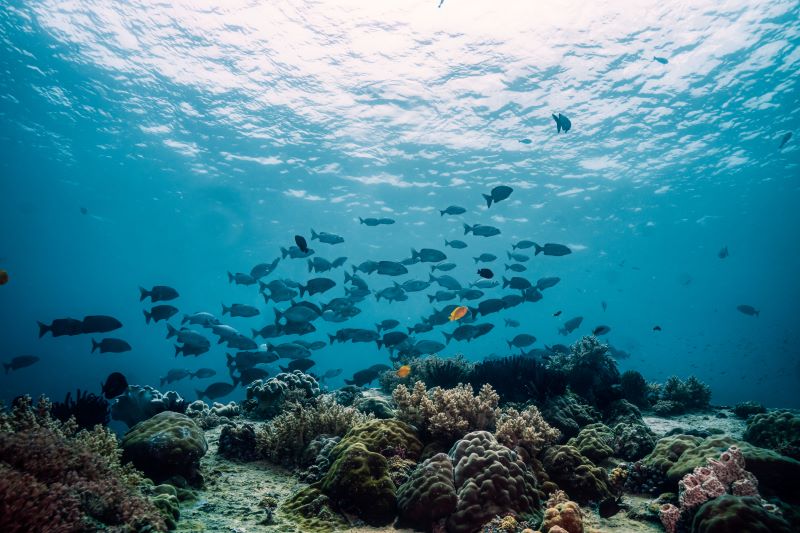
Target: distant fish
{"x": 785, "y": 139}
{"x": 3, "y": 277}
{"x": 99, "y": 324}
{"x": 294, "y": 252}
{"x": 546, "y": 283}
{"x": 562, "y": 123}
{"x": 158, "y": 293}
{"x": 498, "y": 194}
{"x": 203, "y": 373}
{"x": 159, "y": 312}
{"x": 458, "y": 313}
{"x": 84, "y": 211}
{"x": 522, "y": 340}
{"x": 481, "y": 230}
{"x": 403, "y": 371}
{"x": 331, "y": 373}
{"x": 389, "y": 323}
{"x": 368, "y": 375}
{"x": 390, "y": 268}
{"x": 485, "y": 273}
{"x": 242, "y": 279}
{"x": 240, "y": 310}
{"x": 173, "y": 375}
{"x": 552, "y": 249}
{"x": 516, "y": 267}
{"x": 298, "y": 364}
{"x": 522, "y": 245}
{"x": 516, "y": 282}
{"x": 453, "y": 210}
{"x": 656, "y": 328}
{"x": 215, "y": 390}
{"x": 428, "y": 255}
{"x": 748, "y": 310}
{"x": 202, "y": 318}
{"x": 723, "y": 252}
{"x": 520, "y": 258}
{"x": 115, "y": 384}
{"x": 376, "y": 221}
{"x": 601, "y": 330}
{"x": 485, "y": 258}
{"x": 511, "y": 323}
{"x": 21, "y": 361}
{"x": 61, "y": 326}
{"x": 662, "y": 60}
{"x": 327, "y": 238}
{"x": 444, "y": 267}
{"x": 557, "y": 313}
{"x": 525, "y": 141}
{"x": 301, "y": 243}
{"x": 111, "y": 345}
{"x": 458, "y": 245}
{"x": 571, "y": 325}
{"x": 264, "y": 269}
{"x": 603, "y": 304}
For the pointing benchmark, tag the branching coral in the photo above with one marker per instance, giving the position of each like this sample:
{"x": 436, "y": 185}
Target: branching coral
{"x": 678, "y": 396}
{"x": 526, "y": 432}
{"x": 591, "y": 372}
{"x": 88, "y": 409}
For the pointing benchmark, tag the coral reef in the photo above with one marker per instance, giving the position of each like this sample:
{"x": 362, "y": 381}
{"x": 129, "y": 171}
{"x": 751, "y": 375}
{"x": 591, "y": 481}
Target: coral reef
{"x": 54, "y": 477}
{"x": 633, "y": 441}
{"x": 668, "y": 450}
{"x": 140, "y": 403}
{"x": 576, "y": 474}
{"x": 778, "y": 430}
{"x": 591, "y": 371}
{"x": 676, "y": 396}
{"x": 518, "y": 379}
{"x": 568, "y": 414}
{"x": 594, "y": 441}
{"x": 238, "y": 442}
{"x": 372, "y": 402}
{"x": 210, "y": 417}
{"x": 436, "y": 371}
{"x": 429, "y": 494}
{"x": 266, "y": 399}
{"x": 562, "y": 513}
{"x": 312, "y": 511}
{"x": 734, "y": 513}
{"x": 165, "y": 446}
{"x": 447, "y": 414}
{"x": 525, "y": 432}
{"x": 634, "y": 388}
{"x": 745, "y": 409}
{"x": 88, "y": 409}
{"x": 317, "y": 458}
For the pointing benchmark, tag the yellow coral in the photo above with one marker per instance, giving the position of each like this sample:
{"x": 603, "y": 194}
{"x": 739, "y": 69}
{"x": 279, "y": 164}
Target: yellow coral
{"x": 564, "y": 516}
{"x": 509, "y": 524}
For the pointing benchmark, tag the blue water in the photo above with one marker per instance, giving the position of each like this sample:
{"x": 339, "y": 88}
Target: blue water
{"x": 202, "y": 139}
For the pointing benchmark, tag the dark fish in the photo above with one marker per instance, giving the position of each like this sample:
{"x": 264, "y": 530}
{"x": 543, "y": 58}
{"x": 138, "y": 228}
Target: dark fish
{"x": 485, "y": 273}
{"x": 368, "y": 375}
{"x": 298, "y": 364}
{"x": 317, "y": 286}
{"x": 562, "y": 123}
{"x": 427, "y": 347}
{"x": 393, "y": 294}
{"x": 278, "y": 291}
{"x": 455, "y": 243}
{"x": 492, "y": 305}
{"x": 481, "y": 230}
{"x": 470, "y": 294}
{"x": 270, "y": 331}
{"x": 408, "y": 261}
{"x": 247, "y": 359}
{"x": 662, "y": 60}
{"x": 249, "y": 375}
{"x": 516, "y": 267}
{"x": 115, "y": 384}
{"x": 3, "y": 277}
{"x": 464, "y": 332}
{"x": 111, "y": 345}
{"x": 99, "y": 324}
{"x": 601, "y": 330}
{"x": 159, "y": 312}
{"x": 84, "y": 211}
{"x": 61, "y": 326}
{"x": 327, "y": 238}
{"x": 604, "y": 305}
{"x": 453, "y": 210}
{"x": 289, "y": 350}
{"x": 192, "y": 349}
{"x": 525, "y": 141}
{"x": 428, "y": 255}
{"x": 521, "y": 258}
{"x": 185, "y": 335}
{"x": 158, "y": 293}
{"x": 240, "y": 310}
{"x": 522, "y": 340}
{"x": 355, "y": 280}
{"x": 420, "y": 328}
{"x": 296, "y": 253}
{"x": 557, "y": 313}
{"x": 264, "y": 269}
{"x": 723, "y": 253}
{"x": 442, "y": 296}
{"x": 511, "y": 323}
{"x": 512, "y": 300}
{"x": 215, "y": 390}
{"x": 656, "y": 328}
{"x": 367, "y": 267}
{"x": 516, "y": 282}
{"x": 444, "y": 267}
{"x": 391, "y": 268}
{"x": 415, "y": 285}
{"x": 202, "y": 318}
{"x": 331, "y": 373}
{"x": 316, "y": 345}
{"x": 203, "y": 373}
{"x": 389, "y": 323}
{"x": 241, "y": 279}
{"x": 20, "y": 361}
{"x": 522, "y": 245}
{"x": 301, "y": 243}
{"x": 486, "y": 258}
{"x": 552, "y": 249}
{"x": 338, "y": 262}
{"x": 785, "y": 139}
{"x": 498, "y": 194}
{"x": 173, "y": 375}
{"x": 571, "y": 325}
{"x": 546, "y": 283}
{"x": 748, "y": 310}
{"x": 446, "y": 281}
{"x": 532, "y": 294}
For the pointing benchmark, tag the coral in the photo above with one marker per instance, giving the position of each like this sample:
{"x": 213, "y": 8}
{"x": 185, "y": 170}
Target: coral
{"x": 640, "y": 478}
{"x": 668, "y": 450}
{"x": 634, "y": 388}
{"x": 54, "y": 477}
{"x": 518, "y": 379}
{"x": 666, "y": 408}
{"x": 490, "y": 480}
{"x": 669, "y": 515}
{"x": 284, "y": 439}
{"x": 525, "y": 432}
{"x": 140, "y": 403}
{"x": 238, "y": 442}
{"x": 594, "y": 441}
{"x": 312, "y": 511}
{"x": 778, "y": 430}
{"x": 632, "y": 441}
{"x": 429, "y": 494}
{"x": 591, "y": 372}
{"x": 166, "y": 445}
{"x": 684, "y": 395}
{"x": 622, "y": 412}
{"x": 266, "y": 399}
{"x": 506, "y": 524}
{"x": 568, "y": 414}
{"x": 167, "y": 503}
{"x": 387, "y": 437}
{"x": 562, "y": 513}
{"x": 88, "y": 409}
{"x": 734, "y": 513}
{"x": 442, "y": 372}
{"x": 576, "y": 474}
{"x": 745, "y": 409}
{"x": 447, "y": 414}
{"x": 371, "y": 402}
{"x": 316, "y": 458}
{"x": 210, "y": 417}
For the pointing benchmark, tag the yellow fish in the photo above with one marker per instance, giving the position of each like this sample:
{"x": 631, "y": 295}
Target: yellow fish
{"x": 403, "y": 371}
{"x": 458, "y": 312}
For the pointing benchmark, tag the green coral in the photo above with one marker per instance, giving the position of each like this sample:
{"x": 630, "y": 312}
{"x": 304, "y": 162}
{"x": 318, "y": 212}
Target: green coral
{"x": 594, "y": 441}
{"x": 575, "y": 474}
{"x": 429, "y": 494}
{"x": 568, "y": 414}
{"x": 745, "y": 409}
{"x": 311, "y": 510}
{"x": 681, "y": 396}
{"x": 668, "y": 450}
{"x": 388, "y": 437}
{"x": 735, "y": 513}
{"x": 778, "y": 430}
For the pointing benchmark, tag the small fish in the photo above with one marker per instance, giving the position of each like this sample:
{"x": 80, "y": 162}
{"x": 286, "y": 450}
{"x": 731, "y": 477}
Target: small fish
{"x": 3, "y": 277}
{"x": 525, "y": 141}
{"x": 520, "y": 258}
{"x": 610, "y": 506}
{"x": 662, "y": 60}
{"x": 601, "y": 330}
{"x": 458, "y": 245}
{"x": 61, "y": 326}
{"x": 317, "y": 286}
{"x": 785, "y": 139}
{"x": 298, "y": 364}
{"x": 498, "y": 194}
{"x": 99, "y": 324}
{"x": 215, "y": 390}
{"x": 173, "y": 375}
{"x": 327, "y": 238}
{"x": 158, "y": 293}
{"x": 242, "y": 279}
{"x": 159, "y": 312}
{"x": 389, "y": 323}
{"x": 603, "y": 304}
{"x": 458, "y": 313}
{"x": 331, "y": 373}
{"x": 485, "y": 273}
{"x": 557, "y": 313}
{"x": 403, "y": 371}
{"x": 390, "y": 268}
{"x": 723, "y": 253}
{"x": 656, "y": 328}
{"x": 301, "y": 243}
{"x": 264, "y": 269}
{"x": 748, "y": 310}
{"x": 84, "y": 211}
{"x": 115, "y": 384}
{"x": 444, "y": 267}
{"x": 516, "y": 267}
{"x": 485, "y": 258}
{"x": 427, "y": 255}
{"x": 240, "y": 310}
{"x": 20, "y": 362}
{"x": 522, "y": 245}
{"x": 571, "y": 325}
{"x": 480, "y": 230}
{"x": 511, "y": 323}
{"x": 111, "y": 345}
{"x": 453, "y": 210}
{"x": 562, "y": 123}
{"x": 203, "y": 373}
{"x": 552, "y": 249}
{"x": 368, "y": 375}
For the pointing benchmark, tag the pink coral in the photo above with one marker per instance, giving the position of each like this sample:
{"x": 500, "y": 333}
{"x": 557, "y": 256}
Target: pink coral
{"x": 730, "y": 465}
{"x": 669, "y": 515}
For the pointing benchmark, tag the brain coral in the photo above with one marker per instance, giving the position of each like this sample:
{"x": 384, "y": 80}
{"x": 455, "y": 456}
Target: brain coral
{"x": 576, "y": 474}
{"x": 429, "y": 494}
{"x": 737, "y": 513}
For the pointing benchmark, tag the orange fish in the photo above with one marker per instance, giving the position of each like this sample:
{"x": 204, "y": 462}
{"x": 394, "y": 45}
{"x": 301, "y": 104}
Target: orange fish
{"x": 458, "y": 312}
{"x": 3, "y": 277}
{"x": 403, "y": 371}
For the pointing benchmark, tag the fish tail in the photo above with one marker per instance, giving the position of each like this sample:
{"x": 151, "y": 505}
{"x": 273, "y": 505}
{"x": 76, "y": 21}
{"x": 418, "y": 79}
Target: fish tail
{"x": 147, "y": 316}
{"x": 360, "y": 220}
{"x": 177, "y": 350}
{"x": 171, "y": 332}
{"x": 467, "y": 228}
{"x": 441, "y": 213}
{"x": 236, "y": 380}
{"x": 378, "y": 327}
{"x": 431, "y": 298}
{"x": 476, "y": 259}
{"x": 539, "y": 249}
{"x": 431, "y": 278}
{"x": 509, "y": 344}
{"x": 513, "y": 246}
{"x": 310, "y": 265}
{"x": 410, "y": 330}
{"x": 433, "y": 268}
{"x": 225, "y": 310}
{"x": 331, "y": 338}
{"x": 377, "y": 296}
{"x": 284, "y": 252}
{"x": 509, "y": 255}
{"x": 379, "y": 343}
{"x": 355, "y": 269}
{"x": 447, "y": 337}
{"x": 505, "y": 282}
{"x": 314, "y": 234}
{"x": 278, "y": 314}
{"x": 414, "y": 254}
{"x": 43, "y": 328}
{"x": 255, "y": 333}
{"x": 488, "y": 199}
{"x": 184, "y": 320}
{"x": 261, "y": 286}
{"x": 507, "y": 267}
{"x": 143, "y": 293}
{"x": 347, "y": 277}
{"x": 95, "y": 345}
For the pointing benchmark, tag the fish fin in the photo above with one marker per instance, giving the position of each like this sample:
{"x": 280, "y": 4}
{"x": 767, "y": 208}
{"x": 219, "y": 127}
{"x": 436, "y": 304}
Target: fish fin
{"x": 261, "y": 286}
{"x": 95, "y": 345}
{"x": 431, "y": 278}
{"x": 467, "y": 228}
{"x": 230, "y": 277}
{"x": 447, "y": 337}
{"x": 509, "y": 344}
{"x": 303, "y": 289}
{"x": 355, "y": 268}
{"x": 314, "y": 235}
{"x": 476, "y": 259}
{"x": 171, "y": 332}
{"x": 147, "y": 316}
{"x": 310, "y": 265}
{"x": 225, "y": 310}
{"x": 431, "y": 298}
{"x": 255, "y": 333}
{"x": 509, "y": 255}
{"x": 379, "y": 343}
{"x": 347, "y": 277}
{"x": 410, "y": 330}
{"x": 360, "y": 220}
{"x": 332, "y": 338}
{"x": 177, "y": 350}
{"x": 43, "y": 329}
{"x": 184, "y": 320}
{"x": 505, "y": 282}
{"x": 442, "y": 212}
{"x": 539, "y": 249}
{"x": 143, "y": 293}
{"x": 488, "y": 199}
{"x": 278, "y": 314}
{"x": 349, "y": 382}
{"x": 414, "y": 254}
{"x": 284, "y": 252}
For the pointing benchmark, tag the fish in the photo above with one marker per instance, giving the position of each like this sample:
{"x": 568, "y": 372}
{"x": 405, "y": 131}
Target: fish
{"x": 428, "y": 255}
{"x": 21, "y": 361}
{"x": 562, "y": 123}
{"x": 415, "y": 285}
{"x": 192, "y": 349}
{"x": 522, "y": 340}
{"x": 158, "y": 293}
{"x": 331, "y": 373}
{"x": 317, "y": 286}
{"x": 522, "y": 245}
{"x": 481, "y": 230}
{"x": 485, "y": 258}
{"x": 318, "y": 264}
{"x": 278, "y": 291}
{"x": 316, "y": 345}
{"x": 376, "y": 221}
{"x": 492, "y": 305}
{"x": 264, "y": 269}
{"x": 299, "y": 312}
{"x": 389, "y": 323}
{"x": 215, "y": 390}
{"x": 521, "y": 258}
{"x": 269, "y": 331}
{"x": 173, "y": 375}
{"x": 604, "y": 305}
{"x": 240, "y": 342}
{"x": 511, "y": 323}
{"x": 84, "y": 211}
{"x": 160, "y": 312}
{"x": 516, "y": 282}
{"x": 327, "y": 238}
{"x": 242, "y": 279}
{"x": 185, "y": 335}
{"x": 420, "y": 328}
{"x": 446, "y": 281}
{"x": 393, "y": 294}
{"x": 115, "y": 384}
{"x": 301, "y": 243}
{"x": 61, "y": 326}
{"x": 470, "y": 294}
{"x": 240, "y": 310}
{"x": 498, "y": 194}
{"x": 298, "y": 364}
{"x": 391, "y": 339}
{"x": 601, "y": 330}
{"x": 552, "y": 249}
{"x": 531, "y": 294}
{"x": 249, "y": 375}
{"x": 354, "y": 279}
{"x": 289, "y": 350}
{"x": 485, "y": 284}
{"x": 656, "y": 328}
{"x": 338, "y": 262}
{"x": 442, "y": 296}
{"x": 557, "y": 313}
{"x": 247, "y": 359}
{"x": 512, "y": 300}
{"x": 202, "y": 319}
{"x": 403, "y": 371}
{"x": 546, "y": 283}
{"x": 748, "y": 310}
{"x": 485, "y": 273}
{"x": 111, "y": 345}
{"x": 444, "y": 267}
{"x": 391, "y": 268}
{"x": 368, "y": 375}
{"x": 458, "y": 313}
{"x": 224, "y": 331}
{"x": 367, "y": 267}
{"x": 723, "y": 252}
{"x": 785, "y": 139}
{"x": 203, "y": 373}
{"x": 525, "y": 141}
{"x": 295, "y": 252}
{"x": 662, "y": 60}
{"x": 571, "y": 325}
{"x": 453, "y": 210}
{"x": 610, "y": 506}
{"x": 3, "y": 277}
{"x": 99, "y": 324}
{"x": 455, "y": 243}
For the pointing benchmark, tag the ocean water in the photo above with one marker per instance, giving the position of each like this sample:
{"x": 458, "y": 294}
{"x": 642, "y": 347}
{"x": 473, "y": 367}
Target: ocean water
{"x": 200, "y": 137}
